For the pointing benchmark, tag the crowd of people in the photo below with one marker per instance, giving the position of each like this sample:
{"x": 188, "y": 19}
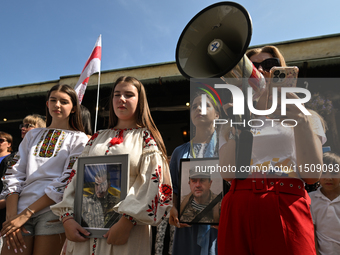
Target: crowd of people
{"x": 264, "y": 213}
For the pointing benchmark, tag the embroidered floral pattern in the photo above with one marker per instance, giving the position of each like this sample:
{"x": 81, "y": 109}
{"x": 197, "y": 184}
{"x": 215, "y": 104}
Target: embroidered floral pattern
{"x": 163, "y": 197}
{"x": 130, "y": 219}
{"x": 36, "y": 150}
{"x": 72, "y": 174}
{"x": 90, "y": 142}
{"x": 118, "y": 139}
{"x": 165, "y": 191}
{"x": 12, "y": 194}
{"x": 14, "y": 160}
{"x": 94, "y": 246}
{"x": 68, "y": 179}
{"x": 148, "y": 139}
{"x": 61, "y": 140}
{"x": 51, "y": 143}
{"x": 45, "y": 145}
{"x": 66, "y": 215}
{"x": 157, "y": 176}
{"x": 71, "y": 162}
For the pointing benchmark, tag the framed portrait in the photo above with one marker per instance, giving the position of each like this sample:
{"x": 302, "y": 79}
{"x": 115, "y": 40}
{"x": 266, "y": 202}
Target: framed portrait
{"x": 102, "y": 181}
{"x": 201, "y": 191}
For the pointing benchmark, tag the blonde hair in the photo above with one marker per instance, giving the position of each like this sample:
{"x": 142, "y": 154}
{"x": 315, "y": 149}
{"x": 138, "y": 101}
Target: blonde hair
{"x": 272, "y": 50}
{"x": 35, "y": 119}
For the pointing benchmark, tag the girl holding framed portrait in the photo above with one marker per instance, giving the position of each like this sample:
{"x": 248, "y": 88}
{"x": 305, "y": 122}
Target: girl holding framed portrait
{"x": 149, "y": 198}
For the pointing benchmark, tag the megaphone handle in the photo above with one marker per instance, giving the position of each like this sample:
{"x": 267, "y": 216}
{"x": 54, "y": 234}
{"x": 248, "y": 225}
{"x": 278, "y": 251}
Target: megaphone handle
{"x": 244, "y": 147}
{"x": 244, "y": 143}
{"x": 245, "y": 92}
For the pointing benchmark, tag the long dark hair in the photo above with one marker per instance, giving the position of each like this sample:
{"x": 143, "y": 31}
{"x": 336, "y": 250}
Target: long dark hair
{"x": 86, "y": 119}
{"x": 74, "y": 118}
{"x": 143, "y": 115}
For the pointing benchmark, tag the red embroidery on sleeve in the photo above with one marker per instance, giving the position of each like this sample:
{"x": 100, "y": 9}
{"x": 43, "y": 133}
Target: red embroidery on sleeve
{"x": 163, "y": 197}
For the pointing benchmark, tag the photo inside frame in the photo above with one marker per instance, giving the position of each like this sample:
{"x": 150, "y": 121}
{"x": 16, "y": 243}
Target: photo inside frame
{"x": 101, "y": 192}
{"x": 201, "y": 191}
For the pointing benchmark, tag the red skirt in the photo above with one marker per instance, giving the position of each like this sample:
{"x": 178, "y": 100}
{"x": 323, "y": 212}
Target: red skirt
{"x": 266, "y": 216}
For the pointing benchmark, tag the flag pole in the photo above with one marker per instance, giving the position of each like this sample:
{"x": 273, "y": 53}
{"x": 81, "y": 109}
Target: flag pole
{"x": 97, "y": 106}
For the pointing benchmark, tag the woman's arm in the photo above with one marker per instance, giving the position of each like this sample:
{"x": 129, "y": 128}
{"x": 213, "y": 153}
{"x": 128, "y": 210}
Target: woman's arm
{"x": 308, "y": 144}
{"x": 2, "y": 203}
{"x": 308, "y": 151}
{"x": 11, "y": 206}
{"x": 14, "y": 221}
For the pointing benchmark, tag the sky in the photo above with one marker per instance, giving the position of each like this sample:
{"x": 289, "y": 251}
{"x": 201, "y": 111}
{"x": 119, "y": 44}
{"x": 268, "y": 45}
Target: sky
{"x": 43, "y": 40}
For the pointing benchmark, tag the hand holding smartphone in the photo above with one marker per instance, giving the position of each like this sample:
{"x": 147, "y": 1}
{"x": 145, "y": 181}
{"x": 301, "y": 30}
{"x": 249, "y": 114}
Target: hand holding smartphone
{"x": 282, "y": 76}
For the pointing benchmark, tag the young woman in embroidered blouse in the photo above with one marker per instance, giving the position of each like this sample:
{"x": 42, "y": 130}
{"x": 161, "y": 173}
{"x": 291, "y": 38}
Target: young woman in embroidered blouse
{"x": 38, "y": 178}
{"x": 131, "y": 131}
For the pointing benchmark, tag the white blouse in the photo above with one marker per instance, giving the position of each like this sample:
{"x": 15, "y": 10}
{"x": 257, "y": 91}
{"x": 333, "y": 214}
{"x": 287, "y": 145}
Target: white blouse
{"x": 149, "y": 198}
{"x": 43, "y": 165}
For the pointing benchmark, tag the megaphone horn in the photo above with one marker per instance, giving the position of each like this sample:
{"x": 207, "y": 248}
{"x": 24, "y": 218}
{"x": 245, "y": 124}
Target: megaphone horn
{"x": 213, "y": 44}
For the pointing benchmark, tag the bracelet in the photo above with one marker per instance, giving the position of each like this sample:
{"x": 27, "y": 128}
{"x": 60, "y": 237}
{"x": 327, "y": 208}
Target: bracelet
{"x": 130, "y": 219}
{"x": 67, "y": 219}
{"x": 30, "y": 210}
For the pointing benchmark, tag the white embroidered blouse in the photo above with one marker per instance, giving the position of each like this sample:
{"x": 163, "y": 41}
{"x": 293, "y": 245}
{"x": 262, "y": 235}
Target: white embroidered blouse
{"x": 149, "y": 198}
{"x": 43, "y": 165}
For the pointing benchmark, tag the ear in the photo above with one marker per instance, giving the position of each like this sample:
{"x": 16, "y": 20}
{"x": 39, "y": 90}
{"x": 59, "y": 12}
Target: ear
{"x": 47, "y": 104}
{"x": 74, "y": 109}
{"x": 217, "y": 116}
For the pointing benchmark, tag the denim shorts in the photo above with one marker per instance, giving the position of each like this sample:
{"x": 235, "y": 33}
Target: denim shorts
{"x": 41, "y": 225}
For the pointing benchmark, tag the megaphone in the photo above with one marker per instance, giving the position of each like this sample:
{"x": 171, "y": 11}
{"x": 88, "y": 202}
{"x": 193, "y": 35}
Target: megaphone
{"x": 213, "y": 44}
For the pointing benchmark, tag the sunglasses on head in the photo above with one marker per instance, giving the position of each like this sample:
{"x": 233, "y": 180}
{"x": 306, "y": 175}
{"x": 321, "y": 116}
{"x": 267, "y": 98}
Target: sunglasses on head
{"x": 267, "y": 64}
{"x": 25, "y": 126}
{"x": 2, "y": 140}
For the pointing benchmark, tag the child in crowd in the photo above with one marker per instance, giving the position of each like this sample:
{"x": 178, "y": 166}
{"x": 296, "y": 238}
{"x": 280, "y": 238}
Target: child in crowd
{"x": 325, "y": 207}
{"x": 38, "y": 178}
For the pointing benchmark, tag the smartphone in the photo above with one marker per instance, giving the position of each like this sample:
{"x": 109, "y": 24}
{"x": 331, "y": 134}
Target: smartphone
{"x": 284, "y": 76}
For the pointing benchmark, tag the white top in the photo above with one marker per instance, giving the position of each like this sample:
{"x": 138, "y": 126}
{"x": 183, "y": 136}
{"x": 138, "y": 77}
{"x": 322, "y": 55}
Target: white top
{"x": 43, "y": 164}
{"x": 326, "y": 217}
{"x": 274, "y": 146}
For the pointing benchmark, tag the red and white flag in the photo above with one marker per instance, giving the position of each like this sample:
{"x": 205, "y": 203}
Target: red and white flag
{"x": 92, "y": 66}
